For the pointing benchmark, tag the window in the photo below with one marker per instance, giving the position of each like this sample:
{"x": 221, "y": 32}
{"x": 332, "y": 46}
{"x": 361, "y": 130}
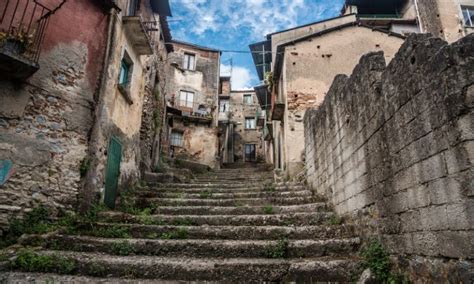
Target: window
{"x": 189, "y": 61}
{"x": 250, "y": 153}
{"x": 186, "y": 99}
{"x": 224, "y": 106}
{"x": 248, "y": 100}
{"x": 250, "y": 123}
{"x": 176, "y": 139}
{"x": 126, "y": 67}
{"x": 468, "y": 16}
{"x": 133, "y": 8}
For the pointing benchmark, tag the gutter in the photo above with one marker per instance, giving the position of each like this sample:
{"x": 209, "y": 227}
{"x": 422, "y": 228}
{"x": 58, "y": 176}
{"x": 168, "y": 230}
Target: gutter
{"x": 418, "y": 16}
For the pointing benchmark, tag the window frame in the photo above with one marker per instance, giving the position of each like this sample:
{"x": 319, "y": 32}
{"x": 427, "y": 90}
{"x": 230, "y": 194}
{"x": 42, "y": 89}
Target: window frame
{"x": 187, "y": 93}
{"x": 187, "y": 62}
{"x": 226, "y": 103}
{"x": 470, "y": 10}
{"x": 173, "y": 138}
{"x": 125, "y": 70}
{"x": 247, "y": 102}
{"x": 254, "y": 124}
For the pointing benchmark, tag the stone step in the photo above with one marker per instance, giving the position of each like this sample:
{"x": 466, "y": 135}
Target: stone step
{"x": 149, "y": 202}
{"x": 334, "y": 269}
{"x": 234, "y": 178}
{"x": 296, "y": 219}
{"x": 240, "y": 210}
{"x": 321, "y": 232}
{"x": 218, "y": 185}
{"x": 198, "y": 189}
{"x": 205, "y": 248}
{"x": 210, "y": 194}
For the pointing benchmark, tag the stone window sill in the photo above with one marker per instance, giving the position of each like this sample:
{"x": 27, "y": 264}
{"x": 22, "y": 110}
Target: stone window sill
{"x": 125, "y": 91}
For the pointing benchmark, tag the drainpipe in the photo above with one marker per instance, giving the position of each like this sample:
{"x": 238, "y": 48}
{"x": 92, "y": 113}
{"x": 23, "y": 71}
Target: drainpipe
{"x": 91, "y": 181}
{"x": 418, "y": 16}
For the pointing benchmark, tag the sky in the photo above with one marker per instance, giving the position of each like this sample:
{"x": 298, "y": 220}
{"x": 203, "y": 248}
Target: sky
{"x": 231, "y": 25}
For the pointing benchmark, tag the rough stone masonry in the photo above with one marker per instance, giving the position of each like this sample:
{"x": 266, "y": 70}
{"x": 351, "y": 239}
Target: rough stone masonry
{"x": 392, "y": 147}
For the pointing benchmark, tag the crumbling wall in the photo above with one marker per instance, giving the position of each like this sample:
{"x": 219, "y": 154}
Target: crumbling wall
{"x": 392, "y": 148}
{"x": 45, "y": 121}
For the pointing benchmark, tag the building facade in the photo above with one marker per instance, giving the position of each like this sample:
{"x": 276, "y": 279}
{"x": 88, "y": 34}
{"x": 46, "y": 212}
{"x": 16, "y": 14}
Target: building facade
{"x": 191, "y": 104}
{"x": 447, "y": 19}
{"x": 240, "y": 126}
{"x": 71, "y": 106}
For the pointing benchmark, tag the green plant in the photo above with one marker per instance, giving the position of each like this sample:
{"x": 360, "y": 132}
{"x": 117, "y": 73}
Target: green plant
{"x": 84, "y": 166}
{"x": 205, "y": 194}
{"x": 115, "y": 231}
{"x": 280, "y": 250}
{"x": 334, "y": 220}
{"x": 377, "y": 259}
{"x": 182, "y": 222}
{"x": 18, "y": 36}
{"x": 30, "y": 261}
{"x": 97, "y": 269}
{"x": 268, "y": 209}
{"x": 179, "y": 234}
{"x": 152, "y": 236}
{"x": 122, "y": 248}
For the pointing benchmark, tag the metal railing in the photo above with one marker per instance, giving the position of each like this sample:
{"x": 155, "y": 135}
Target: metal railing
{"x": 194, "y": 109}
{"x": 22, "y": 26}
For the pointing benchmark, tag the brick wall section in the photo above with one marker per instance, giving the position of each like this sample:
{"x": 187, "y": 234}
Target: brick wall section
{"x": 392, "y": 148}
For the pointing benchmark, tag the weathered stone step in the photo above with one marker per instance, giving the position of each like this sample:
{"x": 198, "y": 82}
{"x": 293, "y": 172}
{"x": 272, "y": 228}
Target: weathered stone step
{"x": 212, "y": 269}
{"x": 210, "y": 194}
{"x": 239, "y": 210}
{"x": 297, "y": 219}
{"x": 230, "y": 232}
{"x": 206, "y": 248}
{"x": 218, "y": 185}
{"x": 234, "y": 178}
{"x": 172, "y": 188}
{"x": 147, "y": 202}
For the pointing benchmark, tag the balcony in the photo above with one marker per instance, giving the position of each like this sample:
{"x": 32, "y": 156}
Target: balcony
{"x": 278, "y": 110}
{"x": 140, "y": 33}
{"x": 23, "y": 24}
{"x": 194, "y": 112}
{"x": 260, "y": 118}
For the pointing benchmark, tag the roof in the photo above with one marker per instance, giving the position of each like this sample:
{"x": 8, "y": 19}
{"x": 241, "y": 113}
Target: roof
{"x": 307, "y": 25}
{"x": 262, "y": 63}
{"x": 376, "y": 7}
{"x": 281, "y": 48}
{"x": 165, "y": 28}
{"x": 195, "y": 46}
{"x": 161, "y": 7}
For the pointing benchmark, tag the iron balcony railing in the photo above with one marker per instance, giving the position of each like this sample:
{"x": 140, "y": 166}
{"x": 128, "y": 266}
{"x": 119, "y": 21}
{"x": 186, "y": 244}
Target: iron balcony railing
{"x": 22, "y": 26}
{"x": 194, "y": 109}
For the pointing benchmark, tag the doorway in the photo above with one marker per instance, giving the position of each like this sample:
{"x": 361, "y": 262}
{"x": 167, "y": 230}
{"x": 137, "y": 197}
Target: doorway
{"x": 250, "y": 153}
{"x": 114, "y": 157}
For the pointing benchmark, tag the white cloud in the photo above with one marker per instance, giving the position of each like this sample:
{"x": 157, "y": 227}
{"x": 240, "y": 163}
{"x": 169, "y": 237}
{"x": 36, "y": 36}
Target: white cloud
{"x": 241, "y": 77}
{"x": 260, "y": 17}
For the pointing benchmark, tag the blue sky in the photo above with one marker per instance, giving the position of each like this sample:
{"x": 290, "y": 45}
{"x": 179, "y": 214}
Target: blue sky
{"x": 234, "y": 24}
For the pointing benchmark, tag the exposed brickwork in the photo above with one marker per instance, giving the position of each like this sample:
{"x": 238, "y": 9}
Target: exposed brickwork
{"x": 392, "y": 147}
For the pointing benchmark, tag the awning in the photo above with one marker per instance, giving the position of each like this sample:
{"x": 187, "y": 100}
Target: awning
{"x": 262, "y": 63}
{"x": 161, "y": 7}
{"x": 264, "y": 96}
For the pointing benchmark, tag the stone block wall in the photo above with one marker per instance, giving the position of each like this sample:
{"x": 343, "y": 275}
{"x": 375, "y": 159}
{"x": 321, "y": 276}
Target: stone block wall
{"x": 392, "y": 147}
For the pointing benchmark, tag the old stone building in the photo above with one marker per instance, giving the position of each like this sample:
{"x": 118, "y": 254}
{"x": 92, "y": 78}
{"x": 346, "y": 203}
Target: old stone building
{"x": 304, "y": 64}
{"x": 447, "y": 19}
{"x": 240, "y": 125}
{"x": 71, "y": 106}
{"x": 191, "y": 104}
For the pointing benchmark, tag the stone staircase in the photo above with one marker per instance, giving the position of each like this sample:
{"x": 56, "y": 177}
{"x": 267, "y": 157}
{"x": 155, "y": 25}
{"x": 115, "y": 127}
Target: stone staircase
{"x": 232, "y": 225}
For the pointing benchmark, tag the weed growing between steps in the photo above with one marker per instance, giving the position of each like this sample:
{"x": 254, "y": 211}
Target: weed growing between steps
{"x": 179, "y": 234}
{"x": 377, "y": 259}
{"x": 29, "y": 261}
{"x": 123, "y": 248}
{"x": 280, "y": 250}
{"x": 334, "y": 220}
{"x": 268, "y": 210}
{"x": 269, "y": 187}
{"x": 36, "y": 221}
{"x": 205, "y": 194}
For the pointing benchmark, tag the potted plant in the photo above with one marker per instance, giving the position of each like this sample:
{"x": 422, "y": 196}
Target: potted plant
{"x": 16, "y": 41}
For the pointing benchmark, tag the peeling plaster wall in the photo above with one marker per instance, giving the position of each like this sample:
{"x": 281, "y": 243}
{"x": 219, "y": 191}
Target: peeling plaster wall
{"x": 392, "y": 148}
{"x": 308, "y": 71}
{"x": 45, "y": 122}
{"x": 200, "y": 138}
